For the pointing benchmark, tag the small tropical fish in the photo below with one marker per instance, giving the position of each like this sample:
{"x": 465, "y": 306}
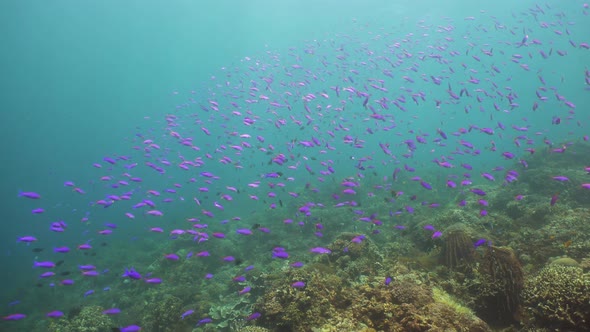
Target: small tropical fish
{"x": 245, "y": 290}
{"x": 153, "y": 281}
{"x": 480, "y": 242}
{"x": 14, "y": 317}
{"x": 112, "y": 311}
{"x": 560, "y": 178}
{"x": 253, "y": 316}
{"x": 298, "y": 284}
{"x": 204, "y": 321}
{"x": 27, "y": 239}
{"x": 47, "y": 264}
{"x": 171, "y": 257}
{"x": 554, "y": 199}
{"x": 54, "y": 314}
{"x": 29, "y": 194}
{"x": 320, "y": 250}
{"x": 187, "y": 313}
{"x": 130, "y": 328}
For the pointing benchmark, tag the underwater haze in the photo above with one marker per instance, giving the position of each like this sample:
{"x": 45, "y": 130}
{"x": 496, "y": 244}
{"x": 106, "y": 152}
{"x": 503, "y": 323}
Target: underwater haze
{"x": 295, "y": 165}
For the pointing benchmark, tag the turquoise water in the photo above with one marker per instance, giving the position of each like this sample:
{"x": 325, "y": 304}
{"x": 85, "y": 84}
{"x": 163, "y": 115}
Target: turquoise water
{"x": 82, "y": 82}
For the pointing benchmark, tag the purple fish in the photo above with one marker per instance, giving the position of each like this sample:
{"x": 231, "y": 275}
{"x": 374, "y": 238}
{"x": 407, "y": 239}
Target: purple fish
{"x": 132, "y": 274}
{"x": 29, "y": 194}
{"x": 554, "y": 199}
{"x": 239, "y": 279}
{"x": 85, "y": 246}
{"x": 467, "y": 166}
{"x": 244, "y": 231}
{"x": 478, "y": 192}
{"x": 426, "y": 185}
{"x": 245, "y": 290}
{"x": 112, "y": 311}
{"x": 298, "y": 284}
{"x": 27, "y": 239}
{"x": 280, "y": 253}
{"x": 47, "y": 264}
{"x": 54, "y": 314}
{"x": 253, "y": 316}
{"x": 320, "y": 250}
{"x": 86, "y": 267}
{"x": 187, "y": 313}
{"x": 130, "y": 328}
{"x": 204, "y": 321}
{"x": 153, "y": 281}
{"x": 560, "y": 178}
{"x": 297, "y": 264}
{"x": 479, "y": 242}
{"x": 14, "y": 317}
{"x": 171, "y": 257}
{"x": 488, "y": 176}
{"x": 203, "y": 254}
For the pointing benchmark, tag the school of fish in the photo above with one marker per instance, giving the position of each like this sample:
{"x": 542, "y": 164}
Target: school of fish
{"x": 434, "y": 109}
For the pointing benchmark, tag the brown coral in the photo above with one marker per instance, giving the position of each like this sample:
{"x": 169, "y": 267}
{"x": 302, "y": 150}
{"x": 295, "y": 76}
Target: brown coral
{"x": 503, "y": 282}
{"x": 458, "y": 250}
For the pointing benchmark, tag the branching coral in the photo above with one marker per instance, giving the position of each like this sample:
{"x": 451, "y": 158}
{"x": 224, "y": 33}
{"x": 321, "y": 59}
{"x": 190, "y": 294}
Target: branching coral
{"x": 163, "y": 313}
{"x": 88, "y": 319}
{"x": 558, "y": 297}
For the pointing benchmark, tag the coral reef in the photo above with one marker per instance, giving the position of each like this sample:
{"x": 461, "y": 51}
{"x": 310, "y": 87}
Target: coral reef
{"x": 408, "y": 304}
{"x": 558, "y": 298}
{"x": 162, "y": 314}
{"x": 326, "y": 303}
{"x": 354, "y": 259}
{"x": 253, "y": 329}
{"x": 298, "y": 309}
{"x": 87, "y": 319}
{"x": 232, "y": 311}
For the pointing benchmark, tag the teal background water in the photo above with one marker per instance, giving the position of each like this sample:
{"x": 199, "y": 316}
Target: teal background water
{"x": 79, "y": 77}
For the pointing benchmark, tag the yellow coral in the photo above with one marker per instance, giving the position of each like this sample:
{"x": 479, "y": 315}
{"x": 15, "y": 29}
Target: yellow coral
{"x": 440, "y": 296}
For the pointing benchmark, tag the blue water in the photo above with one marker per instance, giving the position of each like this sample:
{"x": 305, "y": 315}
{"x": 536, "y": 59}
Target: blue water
{"x": 83, "y": 81}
